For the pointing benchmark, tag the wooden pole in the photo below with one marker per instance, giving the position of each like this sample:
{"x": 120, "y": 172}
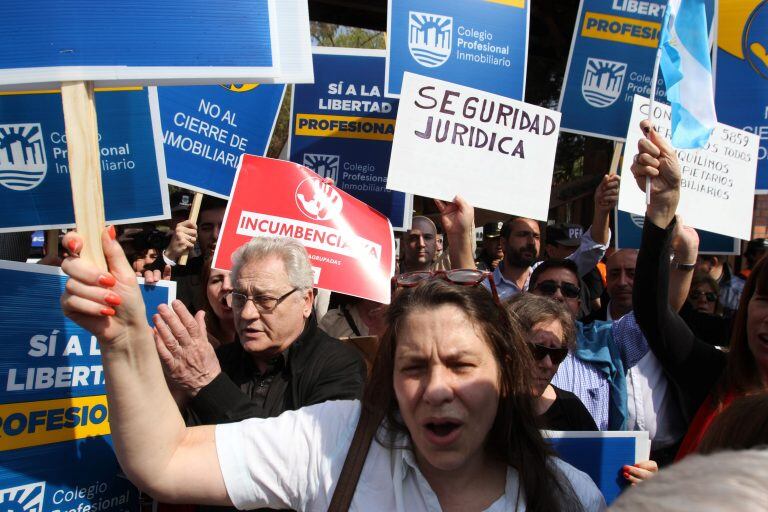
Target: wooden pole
{"x": 618, "y": 147}
{"x": 52, "y": 242}
{"x": 84, "y": 167}
{"x": 193, "y": 214}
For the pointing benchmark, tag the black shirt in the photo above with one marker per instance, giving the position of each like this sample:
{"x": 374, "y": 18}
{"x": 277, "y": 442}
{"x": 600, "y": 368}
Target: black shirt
{"x": 567, "y": 413}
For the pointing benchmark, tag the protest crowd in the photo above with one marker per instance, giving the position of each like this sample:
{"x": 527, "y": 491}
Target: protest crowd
{"x": 256, "y": 388}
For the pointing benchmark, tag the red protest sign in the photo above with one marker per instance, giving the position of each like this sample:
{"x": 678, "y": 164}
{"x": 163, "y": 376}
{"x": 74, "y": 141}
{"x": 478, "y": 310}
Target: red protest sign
{"x": 350, "y": 244}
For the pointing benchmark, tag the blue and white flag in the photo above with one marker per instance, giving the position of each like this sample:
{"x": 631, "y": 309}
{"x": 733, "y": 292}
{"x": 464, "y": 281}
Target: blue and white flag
{"x": 687, "y": 71}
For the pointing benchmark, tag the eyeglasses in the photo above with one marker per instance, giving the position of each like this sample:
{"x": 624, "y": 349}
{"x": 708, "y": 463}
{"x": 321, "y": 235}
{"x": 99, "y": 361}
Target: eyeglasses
{"x": 263, "y": 303}
{"x": 460, "y": 276}
{"x": 549, "y": 288}
{"x": 556, "y": 355}
{"x": 710, "y": 296}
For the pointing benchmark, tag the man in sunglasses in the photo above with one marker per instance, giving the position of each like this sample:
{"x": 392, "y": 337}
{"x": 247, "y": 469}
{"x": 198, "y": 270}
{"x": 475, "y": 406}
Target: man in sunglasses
{"x": 596, "y": 370}
{"x": 281, "y": 359}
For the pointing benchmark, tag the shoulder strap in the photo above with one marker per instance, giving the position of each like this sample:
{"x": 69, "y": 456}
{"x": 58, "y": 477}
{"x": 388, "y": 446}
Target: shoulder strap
{"x": 350, "y": 320}
{"x": 353, "y": 464}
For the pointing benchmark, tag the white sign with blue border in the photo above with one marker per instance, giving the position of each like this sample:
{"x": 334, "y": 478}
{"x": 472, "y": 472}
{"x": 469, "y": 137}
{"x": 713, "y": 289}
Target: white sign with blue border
{"x": 35, "y": 188}
{"x": 53, "y": 406}
{"x": 342, "y": 128}
{"x": 477, "y": 43}
{"x": 741, "y": 73}
{"x": 206, "y": 128}
{"x": 611, "y": 59}
{"x": 629, "y": 233}
{"x": 173, "y": 42}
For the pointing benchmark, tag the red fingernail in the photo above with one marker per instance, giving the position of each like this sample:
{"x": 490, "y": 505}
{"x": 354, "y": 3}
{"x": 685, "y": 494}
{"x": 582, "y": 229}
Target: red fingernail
{"x": 108, "y": 312}
{"x": 107, "y": 280}
{"x": 111, "y": 232}
{"x": 72, "y": 244}
{"x": 626, "y": 475}
{"x": 113, "y": 299}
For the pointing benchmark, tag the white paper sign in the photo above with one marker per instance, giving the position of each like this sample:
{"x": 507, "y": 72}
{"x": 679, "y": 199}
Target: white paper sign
{"x": 718, "y": 181}
{"x": 496, "y": 152}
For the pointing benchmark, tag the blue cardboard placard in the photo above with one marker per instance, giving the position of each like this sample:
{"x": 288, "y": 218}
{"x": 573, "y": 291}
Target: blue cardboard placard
{"x": 629, "y": 233}
{"x": 601, "y": 455}
{"x": 206, "y": 129}
{"x": 52, "y": 400}
{"x": 342, "y": 128}
{"x": 741, "y": 73}
{"x": 477, "y": 43}
{"x": 173, "y": 42}
{"x": 611, "y": 59}
{"x": 35, "y": 191}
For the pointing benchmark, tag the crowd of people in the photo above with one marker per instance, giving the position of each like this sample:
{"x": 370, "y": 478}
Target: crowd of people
{"x": 255, "y": 390}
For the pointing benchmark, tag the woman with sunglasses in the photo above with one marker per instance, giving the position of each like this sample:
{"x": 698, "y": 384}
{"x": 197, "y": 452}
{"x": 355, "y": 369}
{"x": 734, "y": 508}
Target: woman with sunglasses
{"x": 550, "y": 333}
{"x": 449, "y": 395}
{"x": 703, "y": 294}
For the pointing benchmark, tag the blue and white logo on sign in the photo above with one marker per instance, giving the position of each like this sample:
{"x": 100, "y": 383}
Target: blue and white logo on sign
{"x": 603, "y": 80}
{"x": 24, "y": 498}
{"x": 429, "y": 38}
{"x": 638, "y": 220}
{"x": 327, "y": 166}
{"x": 22, "y": 156}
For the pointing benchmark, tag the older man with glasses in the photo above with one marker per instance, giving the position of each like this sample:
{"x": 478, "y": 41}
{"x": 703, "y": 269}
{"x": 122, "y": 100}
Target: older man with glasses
{"x": 281, "y": 361}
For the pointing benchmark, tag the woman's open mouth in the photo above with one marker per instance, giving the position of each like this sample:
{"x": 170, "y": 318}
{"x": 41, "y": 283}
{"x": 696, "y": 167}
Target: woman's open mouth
{"x": 442, "y": 431}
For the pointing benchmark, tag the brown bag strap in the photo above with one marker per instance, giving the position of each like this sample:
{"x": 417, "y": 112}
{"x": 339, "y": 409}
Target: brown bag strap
{"x": 366, "y": 428}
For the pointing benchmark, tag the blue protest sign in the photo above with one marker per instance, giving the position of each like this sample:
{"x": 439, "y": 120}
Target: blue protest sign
{"x": 35, "y": 189}
{"x": 629, "y": 233}
{"x": 601, "y": 455}
{"x": 611, "y": 59}
{"x": 342, "y": 128}
{"x": 143, "y": 41}
{"x": 741, "y": 73}
{"x": 207, "y": 128}
{"x": 52, "y": 402}
{"x": 477, "y": 43}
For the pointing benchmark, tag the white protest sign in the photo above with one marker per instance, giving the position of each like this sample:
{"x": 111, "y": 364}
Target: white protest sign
{"x": 718, "y": 181}
{"x": 496, "y": 152}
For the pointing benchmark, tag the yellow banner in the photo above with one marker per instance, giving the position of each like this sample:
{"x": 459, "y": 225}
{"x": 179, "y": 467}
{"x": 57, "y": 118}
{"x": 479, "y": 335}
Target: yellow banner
{"x": 344, "y": 127}
{"x": 621, "y": 29}
{"x": 511, "y": 3}
{"x": 51, "y": 421}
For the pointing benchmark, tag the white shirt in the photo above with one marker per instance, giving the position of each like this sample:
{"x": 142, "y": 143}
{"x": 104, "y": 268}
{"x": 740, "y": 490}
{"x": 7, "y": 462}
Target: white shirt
{"x": 294, "y": 461}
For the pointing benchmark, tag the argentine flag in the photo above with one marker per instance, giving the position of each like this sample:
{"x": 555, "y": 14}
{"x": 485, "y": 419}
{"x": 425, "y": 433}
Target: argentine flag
{"x": 687, "y": 71}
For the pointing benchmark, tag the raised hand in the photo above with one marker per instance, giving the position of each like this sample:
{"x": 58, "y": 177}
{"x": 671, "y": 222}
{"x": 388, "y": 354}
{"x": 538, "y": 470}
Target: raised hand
{"x": 184, "y": 238}
{"x": 188, "y": 359}
{"x": 109, "y": 305}
{"x": 607, "y": 193}
{"x": 656, "y": 158}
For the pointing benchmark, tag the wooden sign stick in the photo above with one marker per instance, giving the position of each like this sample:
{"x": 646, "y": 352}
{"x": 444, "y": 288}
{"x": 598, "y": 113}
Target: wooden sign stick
{"x": 618, "y": 147}
{"x": 193, "y": 214}
{"x": 52, "y": 242}
{"x": 84, "y": 167}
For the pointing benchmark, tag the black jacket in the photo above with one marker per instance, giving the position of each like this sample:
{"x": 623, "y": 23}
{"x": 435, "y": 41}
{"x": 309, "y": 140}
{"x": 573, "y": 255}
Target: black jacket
{"x": 189, "y": 288}
{"x": 317, "y": 368}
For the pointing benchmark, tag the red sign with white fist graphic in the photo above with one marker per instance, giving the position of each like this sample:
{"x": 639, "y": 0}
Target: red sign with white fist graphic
{"x": 350, "y": 244}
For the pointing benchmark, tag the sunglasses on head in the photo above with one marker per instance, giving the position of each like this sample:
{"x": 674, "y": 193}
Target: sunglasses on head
{"x": 710, "y": 296}
{"x": 556, "y": 355}
{"x": 460, "y": 276}
{"x": 549, "y": 288}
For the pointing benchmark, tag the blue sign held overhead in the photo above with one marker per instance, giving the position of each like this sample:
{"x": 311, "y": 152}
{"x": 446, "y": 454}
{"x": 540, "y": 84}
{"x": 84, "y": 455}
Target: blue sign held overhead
{"x": 35, "y": 189}
{"x": 612, "y": 55}
{"x": 207, "y": 128}
{"x": 53, "y": 403}
{"x": 477, "y": 43}
{"x": 174, "y": 42}
{"x": 342, "y": 128}
{"x": 629, "y": 233}
{"x": 741, "y": 73}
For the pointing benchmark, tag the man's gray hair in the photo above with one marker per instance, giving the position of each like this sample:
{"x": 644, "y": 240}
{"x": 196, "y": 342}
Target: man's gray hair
{"x": 729, "y": 480}
{"x": 291, "y": 252}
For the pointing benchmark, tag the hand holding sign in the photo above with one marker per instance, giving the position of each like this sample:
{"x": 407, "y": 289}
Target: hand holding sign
{"x": 657, "y": 159}
{"x": 108, "y": 304}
